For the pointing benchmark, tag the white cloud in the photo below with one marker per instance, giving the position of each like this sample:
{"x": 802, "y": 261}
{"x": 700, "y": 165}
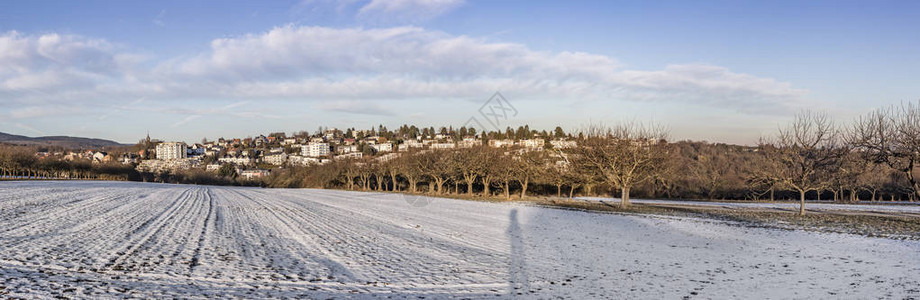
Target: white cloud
{"x": 54, "y": 66}
{"x": 410, "y": 62}
{"x": 352, "y": 66}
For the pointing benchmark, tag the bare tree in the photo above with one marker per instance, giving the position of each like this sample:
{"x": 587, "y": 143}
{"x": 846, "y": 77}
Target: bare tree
{"x": 437, "y": 167}
{"x": 892, "y": 137}
{"x": 527, "y": 166}
{"x": 806, "y": 149}
{"x": 470, "y": 165}
{"x": 411, "y": 170}
{"x": 625, "y": 155}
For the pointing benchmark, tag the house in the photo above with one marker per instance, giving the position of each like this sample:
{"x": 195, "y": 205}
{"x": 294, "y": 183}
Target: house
{"x": 412, "y": 143}
{"x": 345, "y": 149}
{"x": 442, "y": 146}
{"x": 387, "y": 157}
{"x": 354, "y": 155}
{"x": 254, "y": 173}
{"x": 276, "y": 150}
{"x": 236, "y": 160}
{"x": 532, "y": 143}
{"x": 501, "y": 143}
{"x": 196, "y": 149}
{"x": 100, "y": 157}
{"x": 275, "y": 159}
{"x": 159, "y": 165}
{"x": 383, "y": 147}
{"x": 130, "y": 158}
{"x": 260, "y": 141}
{"x": 299, "y": 160}
{"x": 469, "y": 143}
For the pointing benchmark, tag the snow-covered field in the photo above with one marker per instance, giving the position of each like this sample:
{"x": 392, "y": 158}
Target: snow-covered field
{"x": 114, "y": 240}
{"x": 892, "y": 207}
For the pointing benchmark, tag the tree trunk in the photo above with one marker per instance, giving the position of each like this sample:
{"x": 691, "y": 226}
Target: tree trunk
{"x": 909, "y": 171}
{"x": 571, "y": 191}
{"x": 469, "y": 184}
{"x": 801, "y": 202}
{"x": 394, "y": 187}
{"x": 624, "y": 197}
{"x": 413, "y": 185}
{"x": 558, "y": 190}
{"x": 524, "y": 185}
{"x": 439, "y": 185}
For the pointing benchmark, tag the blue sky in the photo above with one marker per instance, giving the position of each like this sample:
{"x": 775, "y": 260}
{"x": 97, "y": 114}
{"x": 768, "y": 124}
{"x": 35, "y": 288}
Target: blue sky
{"x": 729, "y": 71}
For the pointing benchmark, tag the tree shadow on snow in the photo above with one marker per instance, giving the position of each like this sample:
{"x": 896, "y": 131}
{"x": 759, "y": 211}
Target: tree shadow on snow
{"x": 518, "y": 281}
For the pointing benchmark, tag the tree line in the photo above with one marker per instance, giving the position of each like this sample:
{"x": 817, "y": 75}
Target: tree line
{"x": 810, "y": 158}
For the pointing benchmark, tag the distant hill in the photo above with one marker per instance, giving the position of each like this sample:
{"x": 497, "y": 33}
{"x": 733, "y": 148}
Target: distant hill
{"x": 59, "y": 141}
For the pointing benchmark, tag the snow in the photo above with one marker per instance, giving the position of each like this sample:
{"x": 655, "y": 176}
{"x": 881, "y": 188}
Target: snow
{"x": 111, "y": 239}
{"x": 903, "y": 207}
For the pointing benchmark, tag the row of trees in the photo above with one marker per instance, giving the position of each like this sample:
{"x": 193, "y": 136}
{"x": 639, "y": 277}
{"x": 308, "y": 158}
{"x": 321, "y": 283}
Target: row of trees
{"x": 873, "y": 158}
{"x": 21, "y": 162}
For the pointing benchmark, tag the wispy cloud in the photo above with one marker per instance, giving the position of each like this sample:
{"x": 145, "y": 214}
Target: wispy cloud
{"x": 356, "y": 107}
{"x": 186, "y": 120}
{"x": 30, "y": 129}
{"x": 413, "y": 10}
{"x": 158, "y": 20}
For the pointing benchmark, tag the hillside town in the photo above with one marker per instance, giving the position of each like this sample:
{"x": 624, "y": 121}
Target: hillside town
{"x": 255, "y": 157}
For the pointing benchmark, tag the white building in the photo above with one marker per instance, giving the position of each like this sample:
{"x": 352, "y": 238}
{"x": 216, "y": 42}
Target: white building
{"x": 387, "y": 157}
{"x": 410, "y": 143}
{"x": 345, "y": 149}
{"x": 275, "y": 159}
{"x": 172, "y": 150}
{"x": 562, "y": 144}
{"x": 533, "y": 143}
{"x": 383, "y": 147}
{"x": 469, "y": 143}
{"x": 501, "y": 143}
{"x": 298, "y": 160}
{"x": 314, "y": 149}
{"x": 256, "y": 173}
{"x": 442, "y": 145}
{"x": 354, "y": 155}
{"x": 240, "y": 161}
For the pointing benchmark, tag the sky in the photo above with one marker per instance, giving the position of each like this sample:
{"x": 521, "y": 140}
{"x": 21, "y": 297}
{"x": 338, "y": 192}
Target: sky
{"x": 719, "y": 71}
